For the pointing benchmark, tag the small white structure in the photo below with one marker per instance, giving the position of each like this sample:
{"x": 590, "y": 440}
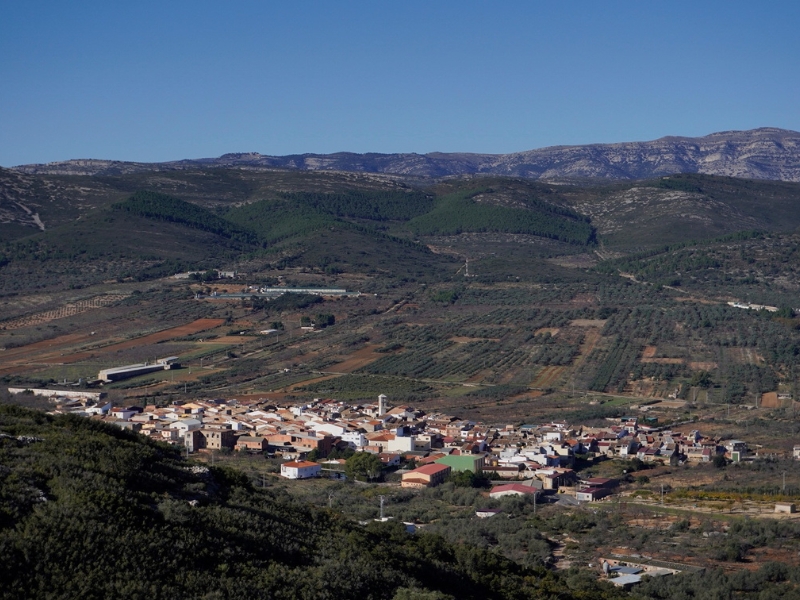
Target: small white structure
{"x": 122, "y": 413}
{"x": 785, "y": 507}
{"x": 300, "y": 469}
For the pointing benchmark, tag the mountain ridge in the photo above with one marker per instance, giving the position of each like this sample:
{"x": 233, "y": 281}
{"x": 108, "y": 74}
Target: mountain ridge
{"x": 764, "y": 153}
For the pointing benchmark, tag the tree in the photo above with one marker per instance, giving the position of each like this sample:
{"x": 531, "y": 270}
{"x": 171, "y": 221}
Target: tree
{"x": 324, "y": 320}
{"x": 363, "y": 466}
{"x": 719, "y": 461}
{"x": 701, "y": 379}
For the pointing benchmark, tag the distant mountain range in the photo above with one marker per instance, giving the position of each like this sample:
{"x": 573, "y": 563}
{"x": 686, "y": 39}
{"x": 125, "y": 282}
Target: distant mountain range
{"x": 766, "y": 153}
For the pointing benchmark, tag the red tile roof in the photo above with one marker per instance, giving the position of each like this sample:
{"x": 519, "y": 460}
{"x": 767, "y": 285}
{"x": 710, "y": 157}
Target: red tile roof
{"x": 431, "y": 469}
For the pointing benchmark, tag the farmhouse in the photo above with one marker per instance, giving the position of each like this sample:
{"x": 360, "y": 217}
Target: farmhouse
{"x": 301, "y": 469}
{"x": 591, "y": 494}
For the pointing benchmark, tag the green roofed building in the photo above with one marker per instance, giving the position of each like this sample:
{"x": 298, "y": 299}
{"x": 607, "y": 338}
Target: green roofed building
{"x": 463, "y": 462}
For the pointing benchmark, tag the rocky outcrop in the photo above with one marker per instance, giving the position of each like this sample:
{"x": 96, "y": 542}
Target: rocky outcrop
{"x": 766, "y": 153}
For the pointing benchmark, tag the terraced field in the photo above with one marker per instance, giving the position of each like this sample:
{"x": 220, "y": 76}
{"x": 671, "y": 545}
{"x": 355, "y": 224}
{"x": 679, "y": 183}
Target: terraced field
{"x": 68, "y": 310}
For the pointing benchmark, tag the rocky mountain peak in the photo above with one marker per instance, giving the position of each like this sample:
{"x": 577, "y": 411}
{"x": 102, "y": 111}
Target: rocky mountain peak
{"x": 764, "y": 153}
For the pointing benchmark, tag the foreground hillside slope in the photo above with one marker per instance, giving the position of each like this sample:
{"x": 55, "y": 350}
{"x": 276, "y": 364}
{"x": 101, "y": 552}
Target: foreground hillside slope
{"x": 90, "y": 511}
{"x": 766, "y": 153}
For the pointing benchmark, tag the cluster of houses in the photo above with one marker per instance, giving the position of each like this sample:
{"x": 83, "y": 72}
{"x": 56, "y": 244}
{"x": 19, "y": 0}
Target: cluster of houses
{"x": 533, "y": 458}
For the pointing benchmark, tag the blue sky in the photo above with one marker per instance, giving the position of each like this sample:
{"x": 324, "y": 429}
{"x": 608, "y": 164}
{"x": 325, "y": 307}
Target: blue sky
{"x": 154, "y": 81}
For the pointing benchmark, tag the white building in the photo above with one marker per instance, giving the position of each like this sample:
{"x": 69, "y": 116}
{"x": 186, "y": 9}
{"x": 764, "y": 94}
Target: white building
{"x": 184, "y": 425}
{"x": 401, "y": 444}
{"x": 329, "y": 428}
{"x": 355, "y": 439}
{"x": 100, "y": 409}
{"x": 300, "y": 469}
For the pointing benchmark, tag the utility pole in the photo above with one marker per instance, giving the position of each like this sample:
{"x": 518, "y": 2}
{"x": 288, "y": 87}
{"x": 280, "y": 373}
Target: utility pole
{"x": 662, "y": 494}
{"x": 330, "y": 499}
{"x": 383, "y": 498}
{"x": 784, "y": 481}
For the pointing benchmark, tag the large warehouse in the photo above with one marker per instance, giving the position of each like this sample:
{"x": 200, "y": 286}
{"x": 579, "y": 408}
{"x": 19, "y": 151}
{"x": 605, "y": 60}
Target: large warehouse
{"x": 118, "y": 373}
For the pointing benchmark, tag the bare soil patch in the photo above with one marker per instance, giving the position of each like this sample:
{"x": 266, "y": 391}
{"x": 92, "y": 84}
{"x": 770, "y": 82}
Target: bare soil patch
{"x": 575, "y": 261}
{"x": 663, "y": 361}
{"x": 584, "y": 299}
{"x": 693, "y": 299}
{"x": 703, "y": 366}
{"x": 467, "y": 340}
{"x": 649, "y": 352}
{"x": 675, "y": 404}
{"x": 588, "y": 322}
{"x": 770, "y": 400}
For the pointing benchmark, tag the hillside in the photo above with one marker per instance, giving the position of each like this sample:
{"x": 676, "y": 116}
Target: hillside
{"x": 358, "y": 224}
{"x": 91, "y": 511}
{"x": 766, "y": 153}
{"x": 680, "y": 208}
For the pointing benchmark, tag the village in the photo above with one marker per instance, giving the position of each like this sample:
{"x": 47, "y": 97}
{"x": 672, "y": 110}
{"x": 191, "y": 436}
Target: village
{"x": 313, "y": 439}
